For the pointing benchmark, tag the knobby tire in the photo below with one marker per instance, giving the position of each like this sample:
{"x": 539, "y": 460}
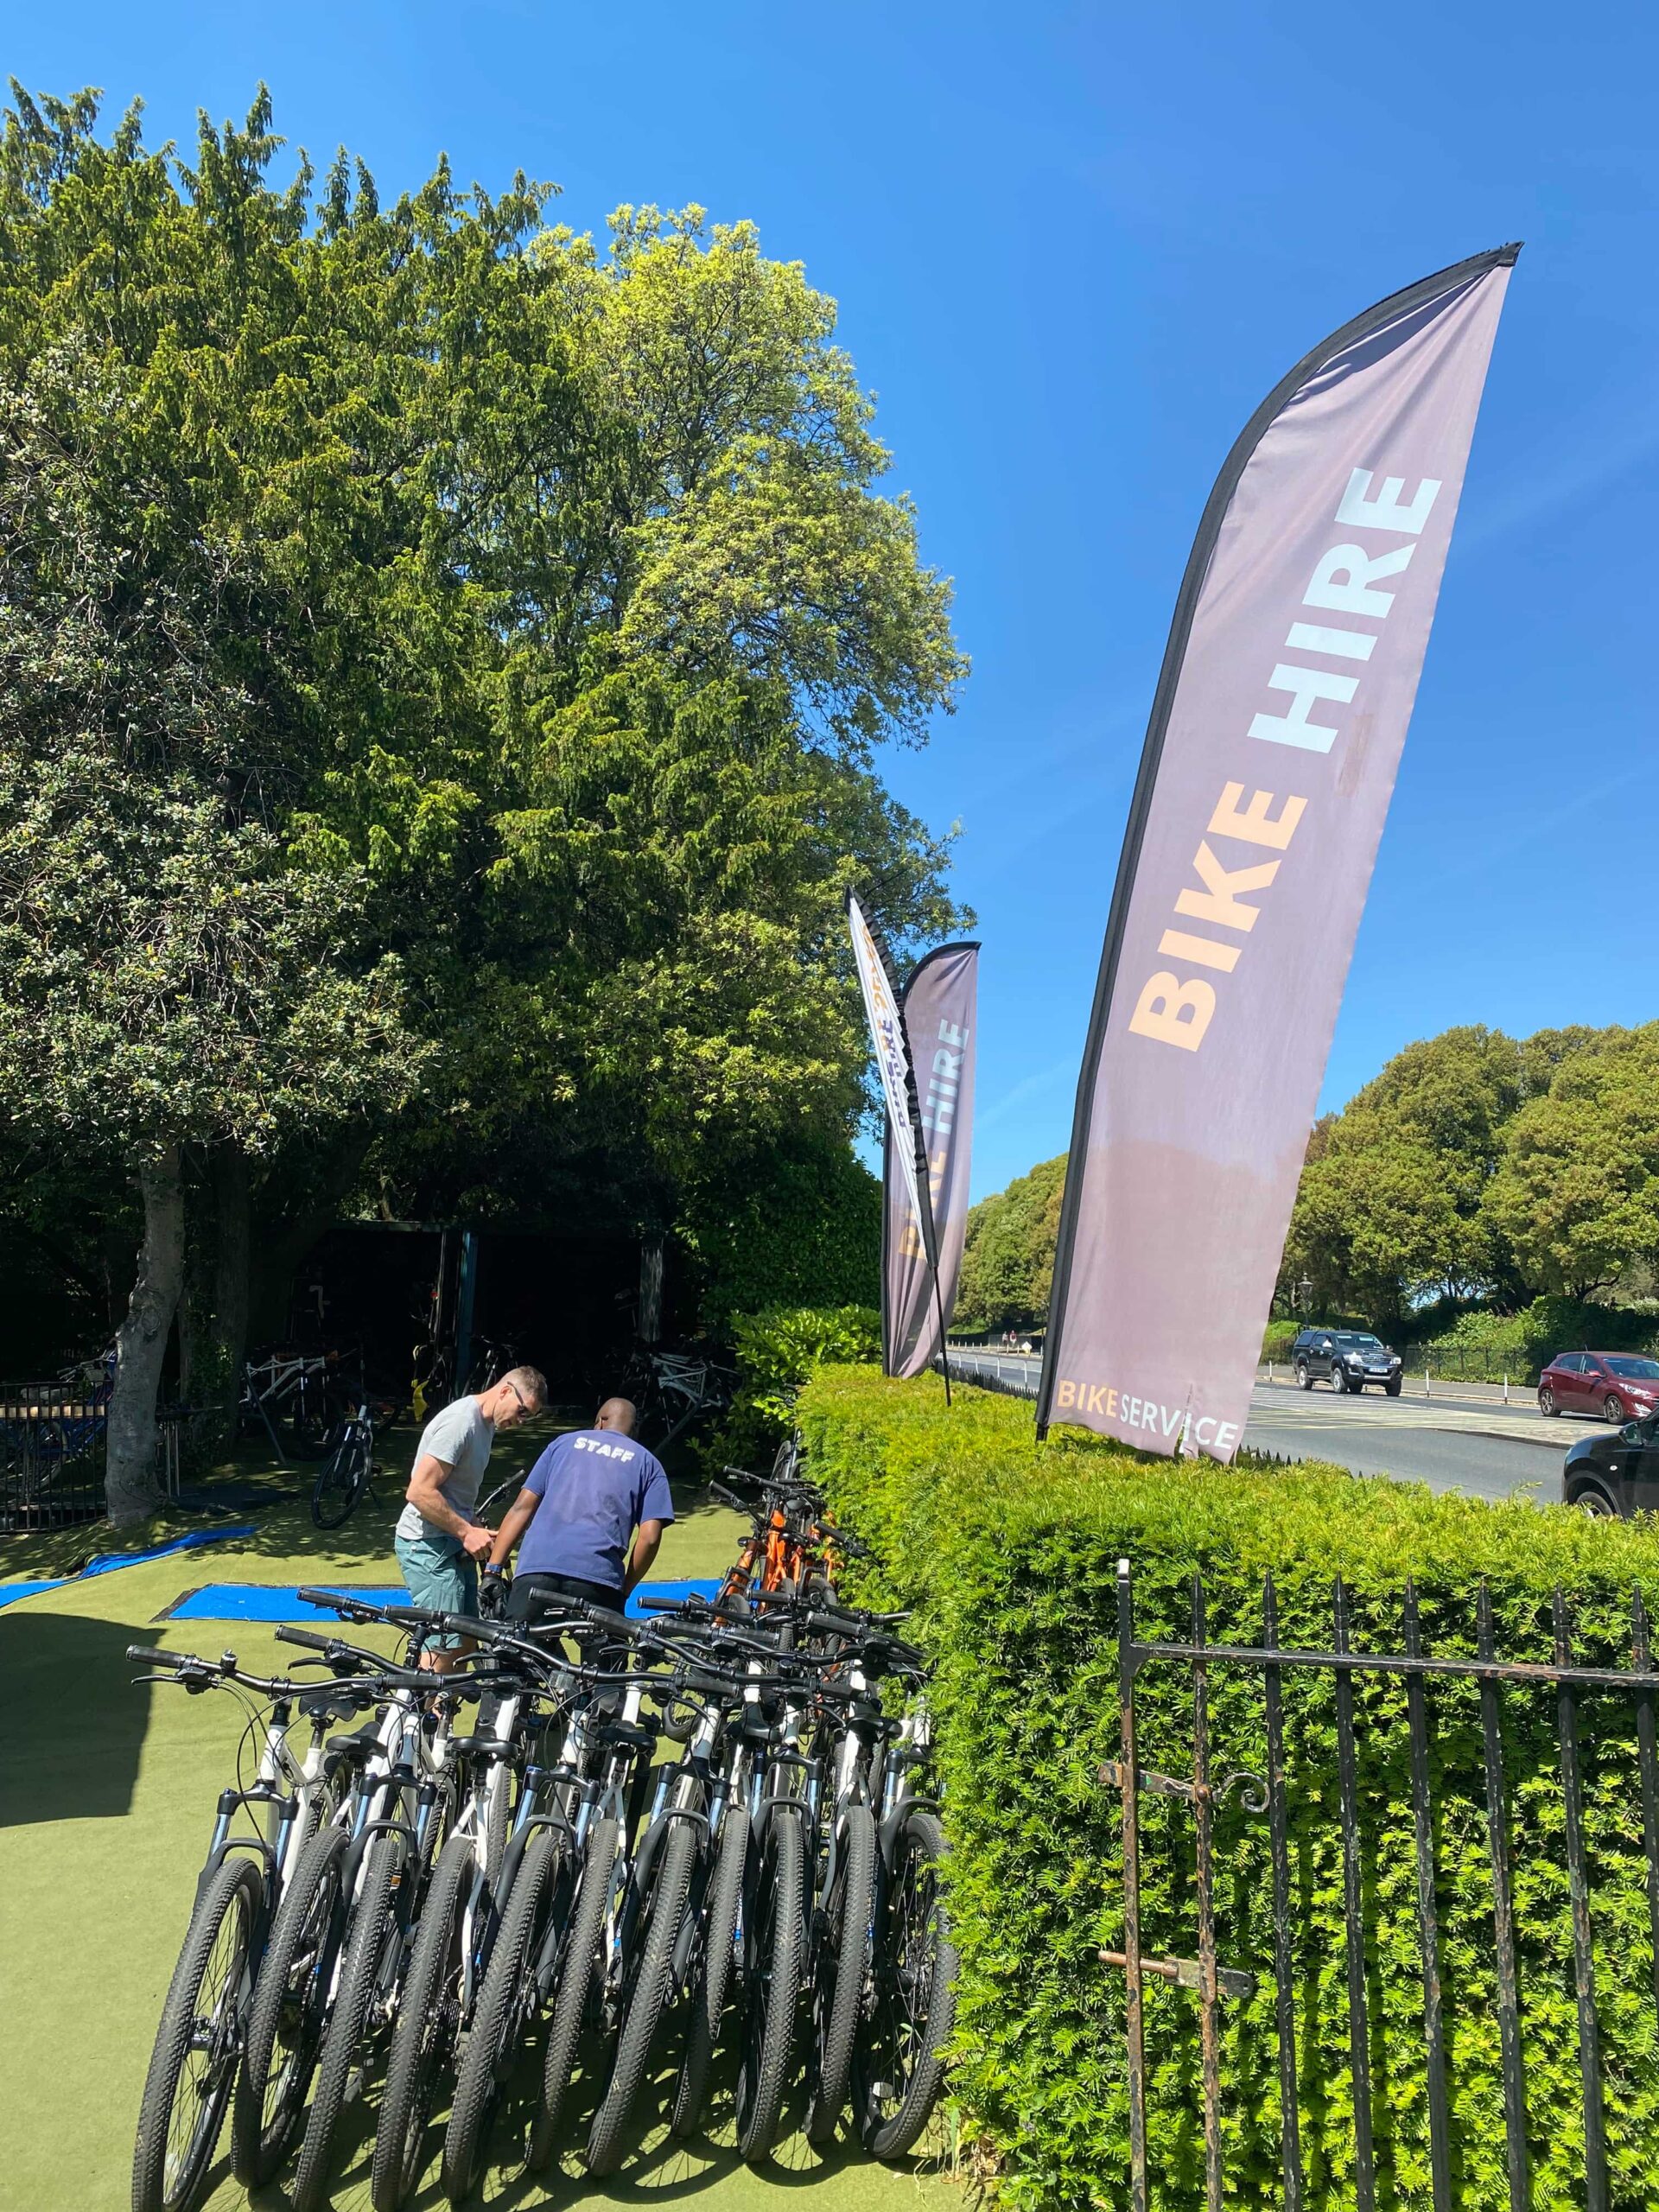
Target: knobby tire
{"x": 672, "y": 1878}
{"x": 285, "y": 2024}
{"x": 164, "y": 2180}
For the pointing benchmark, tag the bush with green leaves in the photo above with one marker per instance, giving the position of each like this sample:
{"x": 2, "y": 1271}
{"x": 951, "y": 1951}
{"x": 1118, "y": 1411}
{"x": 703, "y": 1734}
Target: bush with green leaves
{"x": 776, "y": 1351}
{"x": 1008, "y": 1551}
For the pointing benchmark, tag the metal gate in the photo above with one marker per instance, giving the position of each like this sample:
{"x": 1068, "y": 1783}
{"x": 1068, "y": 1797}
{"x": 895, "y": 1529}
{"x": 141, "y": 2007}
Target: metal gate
{"x": 1622, "y": 1696}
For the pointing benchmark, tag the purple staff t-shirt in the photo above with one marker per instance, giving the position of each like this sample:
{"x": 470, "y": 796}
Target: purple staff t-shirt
{"x": 596, "y": 1486}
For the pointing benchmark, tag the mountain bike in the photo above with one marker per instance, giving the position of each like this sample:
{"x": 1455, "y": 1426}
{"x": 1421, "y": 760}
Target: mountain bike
{"x": 346, "y": 1477}
{"x": 244, "y": 1880}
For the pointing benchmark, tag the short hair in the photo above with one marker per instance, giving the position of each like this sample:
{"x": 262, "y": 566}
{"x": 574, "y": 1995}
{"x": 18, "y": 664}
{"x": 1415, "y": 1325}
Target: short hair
{"x": 531, "y": 1384}
{"x": 623, "y": 1412}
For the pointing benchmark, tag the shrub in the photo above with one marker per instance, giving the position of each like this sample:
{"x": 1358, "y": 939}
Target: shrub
{"x": 1008, "y": 1551}
{"x": 776, "y": 1352}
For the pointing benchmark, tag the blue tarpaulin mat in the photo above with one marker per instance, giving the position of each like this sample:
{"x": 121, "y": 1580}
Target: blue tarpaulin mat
{"x": 108, "y": 1561}
{"x": 268, "y": 1601}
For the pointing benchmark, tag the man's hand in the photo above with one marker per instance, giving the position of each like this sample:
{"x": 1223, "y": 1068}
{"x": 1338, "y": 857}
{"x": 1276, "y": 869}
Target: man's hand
{"x": 492, "y": 1597}
{"x": 476, "y": 1540}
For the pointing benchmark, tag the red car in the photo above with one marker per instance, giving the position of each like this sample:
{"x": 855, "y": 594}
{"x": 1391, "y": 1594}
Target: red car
{"x": 1611, "y": 1386}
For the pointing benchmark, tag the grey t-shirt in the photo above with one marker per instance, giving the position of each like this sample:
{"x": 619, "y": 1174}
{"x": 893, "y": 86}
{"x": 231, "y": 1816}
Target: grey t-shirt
{"x": 460, "y": 1437}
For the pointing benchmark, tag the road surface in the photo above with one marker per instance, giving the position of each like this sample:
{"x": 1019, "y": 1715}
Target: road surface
{"x": 1462, "y": 1437}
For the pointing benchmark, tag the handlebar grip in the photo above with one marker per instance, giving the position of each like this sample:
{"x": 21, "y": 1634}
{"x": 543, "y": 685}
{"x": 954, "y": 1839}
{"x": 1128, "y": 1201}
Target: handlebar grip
{"x": 335, "y": 1601}
{"x": 602, "y": 1616}
{"x": 308, "y": 1636}
{"x": 145, "y": 1655}
{"x": 730, "y": 1497}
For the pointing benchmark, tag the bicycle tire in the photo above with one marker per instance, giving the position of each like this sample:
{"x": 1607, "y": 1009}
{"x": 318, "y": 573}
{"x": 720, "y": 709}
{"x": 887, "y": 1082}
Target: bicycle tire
{"x": 838, "y": 1987}
{"x": 299, "y": 1943}
{"x": 671, "y": 1881}
{"x": 486, "y": 2060}
{"x": 719, "y": 1948}
{"x": 342, "y": 1480}
{"x": 234, "y": 1889}
{"x": 423, "y": 2039}
{"x": 575, "y": 1980}
{"x": 774, "y": 1986}
{"x": 932, "y": 1973}
{"x": 343, "y": 2033}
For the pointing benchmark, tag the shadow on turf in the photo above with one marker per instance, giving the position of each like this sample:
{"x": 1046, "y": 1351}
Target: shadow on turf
{"x": 73, "y": 1723}
{"x": 660, "y": 2169}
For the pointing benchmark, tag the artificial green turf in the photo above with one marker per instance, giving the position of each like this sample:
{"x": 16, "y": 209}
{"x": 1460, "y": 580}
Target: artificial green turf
{"x": 106, "y": 1800}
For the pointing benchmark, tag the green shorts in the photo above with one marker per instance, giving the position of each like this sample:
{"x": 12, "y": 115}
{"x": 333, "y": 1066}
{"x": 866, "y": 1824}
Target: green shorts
{"x": 440, "y": 1576}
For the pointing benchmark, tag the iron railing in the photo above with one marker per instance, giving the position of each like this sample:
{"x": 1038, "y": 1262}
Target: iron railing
{"x": 1282, "y": 1796}
{"x": 53, "y": 1449}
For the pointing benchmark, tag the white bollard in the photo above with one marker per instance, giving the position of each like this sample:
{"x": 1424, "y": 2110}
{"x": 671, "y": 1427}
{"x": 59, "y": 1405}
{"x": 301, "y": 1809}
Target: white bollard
{"x": 1506, "y": 1389}
{"x": 1425, "y": 1378}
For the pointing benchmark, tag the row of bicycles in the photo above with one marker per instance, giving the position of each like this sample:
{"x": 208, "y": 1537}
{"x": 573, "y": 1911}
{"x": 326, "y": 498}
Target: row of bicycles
{"x": 607, "y": 1879}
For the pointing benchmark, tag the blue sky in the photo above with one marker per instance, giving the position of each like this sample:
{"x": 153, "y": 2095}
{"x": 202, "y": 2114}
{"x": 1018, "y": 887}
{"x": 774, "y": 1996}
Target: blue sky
{"x": 1073, "y": 247}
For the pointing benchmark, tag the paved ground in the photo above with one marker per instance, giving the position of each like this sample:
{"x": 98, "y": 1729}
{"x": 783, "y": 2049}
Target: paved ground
{"x": 106, "y": 1795}
{"x": 1463, "y": 1437}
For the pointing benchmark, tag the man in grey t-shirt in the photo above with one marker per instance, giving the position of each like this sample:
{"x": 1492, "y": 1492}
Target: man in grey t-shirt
{"x": 438, "y": 1535}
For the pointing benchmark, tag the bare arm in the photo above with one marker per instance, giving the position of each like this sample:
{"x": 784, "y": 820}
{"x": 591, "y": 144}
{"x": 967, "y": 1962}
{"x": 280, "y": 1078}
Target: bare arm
{"x": 428, "y": 1499}
{"x": 644, "y": 1550}
{"x": 515, "y": 1521}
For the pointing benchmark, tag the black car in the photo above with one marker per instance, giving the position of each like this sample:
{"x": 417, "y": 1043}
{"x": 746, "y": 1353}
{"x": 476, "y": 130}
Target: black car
{"x": 1346, "y": 1359}
{"x": 1617, "y": 1473}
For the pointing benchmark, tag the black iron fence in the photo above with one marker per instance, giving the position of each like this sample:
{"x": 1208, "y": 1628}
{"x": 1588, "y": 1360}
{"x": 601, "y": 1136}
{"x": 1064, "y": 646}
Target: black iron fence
{"x": 52, "y": 1455}
{"x": 52, "y": 1450}
{"x": 1540, "y": 1979}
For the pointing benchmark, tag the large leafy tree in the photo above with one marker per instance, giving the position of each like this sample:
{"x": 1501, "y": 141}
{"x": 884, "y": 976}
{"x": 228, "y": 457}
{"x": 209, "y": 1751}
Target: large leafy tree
{"x": 1577, "y": 1195}
{"x": 1008, "y": 1261}
{"x": 560, "y": 592}
{"x": 172, "y": 978}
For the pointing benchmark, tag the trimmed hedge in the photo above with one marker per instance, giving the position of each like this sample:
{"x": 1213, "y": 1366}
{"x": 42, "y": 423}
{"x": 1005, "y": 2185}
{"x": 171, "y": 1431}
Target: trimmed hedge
{"x": 1009, "y": 1552}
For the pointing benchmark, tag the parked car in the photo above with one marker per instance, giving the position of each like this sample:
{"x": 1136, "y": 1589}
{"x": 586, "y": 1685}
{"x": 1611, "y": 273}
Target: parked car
{"x": 1611, "y": 1386}
{"x": 1615, "y": 1475}
{"x": 1347, "y": 1358}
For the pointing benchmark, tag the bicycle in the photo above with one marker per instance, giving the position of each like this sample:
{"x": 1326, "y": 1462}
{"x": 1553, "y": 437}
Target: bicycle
{"x": 300, "y": 1387}
{"x": 244, "y": 1881}
{"x": 346, "y": 1477}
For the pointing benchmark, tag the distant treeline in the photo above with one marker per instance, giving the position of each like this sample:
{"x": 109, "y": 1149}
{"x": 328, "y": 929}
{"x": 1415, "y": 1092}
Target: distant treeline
{"x": 1476, "y": 1171}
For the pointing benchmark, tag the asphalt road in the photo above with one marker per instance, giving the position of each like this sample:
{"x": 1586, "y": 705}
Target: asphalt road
{"x": 1453, "y": 1442}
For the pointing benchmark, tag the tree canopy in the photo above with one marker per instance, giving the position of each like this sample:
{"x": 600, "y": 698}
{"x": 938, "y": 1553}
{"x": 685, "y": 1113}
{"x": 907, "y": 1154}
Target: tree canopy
{"x": 448, "y": 658}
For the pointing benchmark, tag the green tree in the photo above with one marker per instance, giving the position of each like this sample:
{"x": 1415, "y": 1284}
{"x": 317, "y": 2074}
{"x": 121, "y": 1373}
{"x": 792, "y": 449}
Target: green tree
{"x": 1008, "y": 1261}
{"x": 171, "y": 979}
{"x": 562, "y": 592}
{"x": 1577, "y": 1195}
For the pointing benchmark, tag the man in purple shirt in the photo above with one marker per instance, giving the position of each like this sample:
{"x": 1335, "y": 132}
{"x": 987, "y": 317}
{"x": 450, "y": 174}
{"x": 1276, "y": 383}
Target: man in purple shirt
{"x": 590, "y": 1492}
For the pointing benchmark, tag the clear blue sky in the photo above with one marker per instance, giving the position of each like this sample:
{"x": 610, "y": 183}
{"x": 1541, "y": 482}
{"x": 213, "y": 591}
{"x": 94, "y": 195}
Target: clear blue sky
{"x": 1073, "y": 247}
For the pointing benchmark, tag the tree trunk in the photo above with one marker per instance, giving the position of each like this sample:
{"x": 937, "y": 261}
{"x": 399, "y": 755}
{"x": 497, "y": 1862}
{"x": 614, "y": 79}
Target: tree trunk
{"x": 141, "y": 1344}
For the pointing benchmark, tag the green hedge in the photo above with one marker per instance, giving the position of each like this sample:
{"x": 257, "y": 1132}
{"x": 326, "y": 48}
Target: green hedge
{"x": 1009, "y": 1552}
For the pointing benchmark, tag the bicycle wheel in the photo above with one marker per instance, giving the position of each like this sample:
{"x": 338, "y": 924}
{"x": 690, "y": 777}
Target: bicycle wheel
{"x": 285, "y": 2024}
{"x": 575, "y": 1980}
{"x": 343, "y": 2033}
{"x": 715, "y": 1975}
{"x": 776, "y": 1951}
{"x": 193, "y": 2065}
{"x": 656, "y": 1933}
{"x": 506, "y": 2010}
{"x": 838, "y": 1982}
{"x": 343, "y": 1478}
{"x": 898, "y": 2065}
{"x": 429, "y": 2021}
